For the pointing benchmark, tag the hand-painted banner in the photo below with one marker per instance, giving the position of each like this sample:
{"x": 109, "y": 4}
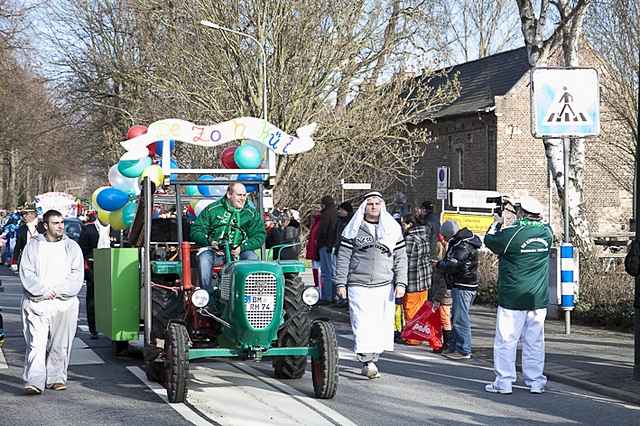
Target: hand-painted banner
{"x": 239, "y": 128}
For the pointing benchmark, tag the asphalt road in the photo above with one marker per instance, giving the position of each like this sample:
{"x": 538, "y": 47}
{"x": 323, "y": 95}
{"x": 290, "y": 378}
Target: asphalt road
{"x": 416, "y": 387}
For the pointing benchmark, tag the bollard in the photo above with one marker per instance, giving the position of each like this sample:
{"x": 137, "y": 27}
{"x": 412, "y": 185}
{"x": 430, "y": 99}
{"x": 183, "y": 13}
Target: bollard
{"x": 186, "y": 265}
{"x": 567, "y": 283}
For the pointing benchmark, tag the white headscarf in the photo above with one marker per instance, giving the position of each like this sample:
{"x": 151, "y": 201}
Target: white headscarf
{"x": 388, "y": 231}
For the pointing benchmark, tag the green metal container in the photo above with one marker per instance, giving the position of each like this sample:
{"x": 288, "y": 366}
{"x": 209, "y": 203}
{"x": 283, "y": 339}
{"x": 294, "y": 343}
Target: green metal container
{"x": 117, "y": 292}
{"x": 166, "y": 267}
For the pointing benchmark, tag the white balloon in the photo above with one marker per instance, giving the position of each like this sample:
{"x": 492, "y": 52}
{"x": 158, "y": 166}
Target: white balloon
{"x": 202, "y": 204}
{"x": 123, "y": 183}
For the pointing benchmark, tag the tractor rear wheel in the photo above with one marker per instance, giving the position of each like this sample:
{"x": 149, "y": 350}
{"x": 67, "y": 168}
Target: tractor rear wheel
{"x": 295, "y": 331}
{"x": 324, "y": 368}
{"x": 176, "y": 354}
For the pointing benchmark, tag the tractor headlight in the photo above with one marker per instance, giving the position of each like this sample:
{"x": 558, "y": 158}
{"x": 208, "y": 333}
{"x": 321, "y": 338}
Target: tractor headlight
{"x": 310, "y": 296}
{"x": 200, "y": 298}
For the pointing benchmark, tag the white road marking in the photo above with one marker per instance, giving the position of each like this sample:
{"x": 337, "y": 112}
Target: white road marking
{"x": 3, "y": 361}
{"x": 82, "y": 354}
{"x": 181, "y": 409}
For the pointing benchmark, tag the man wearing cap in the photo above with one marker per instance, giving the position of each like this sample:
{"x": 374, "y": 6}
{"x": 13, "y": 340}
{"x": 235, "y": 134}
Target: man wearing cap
{"x": 523, "y": 293}
{"x": 372, "y": 262}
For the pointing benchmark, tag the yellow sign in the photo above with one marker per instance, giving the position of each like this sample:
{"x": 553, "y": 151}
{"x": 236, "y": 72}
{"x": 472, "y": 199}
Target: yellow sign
{"x": 477, "y": 223}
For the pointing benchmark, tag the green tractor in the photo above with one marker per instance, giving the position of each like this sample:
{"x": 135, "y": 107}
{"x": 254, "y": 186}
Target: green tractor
{"x": 258, "y": 309}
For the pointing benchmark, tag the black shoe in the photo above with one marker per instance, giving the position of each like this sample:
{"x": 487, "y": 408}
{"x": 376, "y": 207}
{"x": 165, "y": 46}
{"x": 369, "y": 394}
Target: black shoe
{"x": 94, "y": 336}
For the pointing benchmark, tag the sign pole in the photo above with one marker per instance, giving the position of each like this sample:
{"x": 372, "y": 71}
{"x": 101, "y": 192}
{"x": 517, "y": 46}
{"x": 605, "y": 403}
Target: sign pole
{"x": 566, "y": 250}
{"x": 636, "y": 299}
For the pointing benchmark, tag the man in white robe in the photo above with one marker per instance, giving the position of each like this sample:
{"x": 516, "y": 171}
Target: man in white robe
{"x": 52, "y": 274}
{"x": 372, "y": 267}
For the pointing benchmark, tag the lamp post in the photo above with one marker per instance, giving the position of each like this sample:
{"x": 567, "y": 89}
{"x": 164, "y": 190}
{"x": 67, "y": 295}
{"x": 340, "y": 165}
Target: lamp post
{"x": 270, "y": 154}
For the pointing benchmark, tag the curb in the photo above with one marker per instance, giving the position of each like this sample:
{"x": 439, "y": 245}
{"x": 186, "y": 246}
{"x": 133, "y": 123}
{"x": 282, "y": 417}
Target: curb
{"x": 550, "y": 370}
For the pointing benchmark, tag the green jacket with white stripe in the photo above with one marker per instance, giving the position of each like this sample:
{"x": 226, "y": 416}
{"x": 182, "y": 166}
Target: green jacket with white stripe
{"x": 523, "y": 271}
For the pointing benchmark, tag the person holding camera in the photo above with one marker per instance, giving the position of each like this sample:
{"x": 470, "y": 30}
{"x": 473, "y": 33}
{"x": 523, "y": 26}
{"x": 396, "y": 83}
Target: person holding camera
{"x": 523, "y": 293}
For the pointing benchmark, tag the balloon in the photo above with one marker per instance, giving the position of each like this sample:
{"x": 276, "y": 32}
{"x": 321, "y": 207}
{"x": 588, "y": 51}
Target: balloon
{"x": 111, "y": 199}
{"x": 129, "y": 213}
{"x": 124, "y": 184}
{"x": 133, "y": 168}
{"x": 154, "y": 173}
{"x": 94, "y": 197}
{"x": 159, "y": 144}
{"x": 152, "y": 149}
{"x": 217, "y": 190}
{"x": 202, "y": 204}
{"x": 227, "y": 158}
{"x": 135, "y": 131}
{"x": 103, "y": 216}
{"x": 251, "y": 187}
{"x": 247, "y": 157}
{"x": 191, "y": 190}
{"x": 250, "y": 177}
{"x": 115, "y": 220}
{"x": 206, "y": 189}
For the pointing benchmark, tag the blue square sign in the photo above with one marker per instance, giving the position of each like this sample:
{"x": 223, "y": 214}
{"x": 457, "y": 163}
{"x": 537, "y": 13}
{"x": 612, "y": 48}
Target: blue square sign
{"x": 565, "y": 102}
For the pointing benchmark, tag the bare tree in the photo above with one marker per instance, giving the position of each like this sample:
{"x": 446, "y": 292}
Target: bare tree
{"x": 566, "y": 36}
{"x": 479, "y": 28}
{"x": 340, "y": 63}
{"x": 613, "y": 29}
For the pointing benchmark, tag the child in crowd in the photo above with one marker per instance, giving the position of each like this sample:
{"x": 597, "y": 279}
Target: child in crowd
{"x": 441, "y": 296}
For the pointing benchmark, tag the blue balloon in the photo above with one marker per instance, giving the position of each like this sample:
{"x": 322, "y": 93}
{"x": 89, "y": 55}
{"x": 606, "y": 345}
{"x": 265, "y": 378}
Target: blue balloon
{"x": 206, "y": 189}
{"x": 251, "y": 187}
{"x": 247, "y": 157}
{"x": 111, "y": 199}
{"x": 129, "y": 213}
{"x": 172, "y": 146}
{"x": 133, "y": 168}
{"x": 250, "y": 177}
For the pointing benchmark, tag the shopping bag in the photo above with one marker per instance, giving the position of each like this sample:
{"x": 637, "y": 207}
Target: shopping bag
{"x": 425, "y": 326}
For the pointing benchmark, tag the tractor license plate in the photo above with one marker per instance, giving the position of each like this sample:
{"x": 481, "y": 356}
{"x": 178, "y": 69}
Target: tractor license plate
{"x": 260, "y": 303}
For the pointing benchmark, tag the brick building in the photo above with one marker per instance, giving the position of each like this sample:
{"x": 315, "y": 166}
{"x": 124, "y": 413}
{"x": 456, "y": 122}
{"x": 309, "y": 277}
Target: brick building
{"x": 485, "y": 139}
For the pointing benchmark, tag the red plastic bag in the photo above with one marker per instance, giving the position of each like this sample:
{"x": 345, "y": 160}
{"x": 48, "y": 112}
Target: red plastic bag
{"x": 425, "y": 326}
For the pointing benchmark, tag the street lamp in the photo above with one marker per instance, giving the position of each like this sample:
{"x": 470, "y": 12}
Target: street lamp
{"x": 270, "y": 154}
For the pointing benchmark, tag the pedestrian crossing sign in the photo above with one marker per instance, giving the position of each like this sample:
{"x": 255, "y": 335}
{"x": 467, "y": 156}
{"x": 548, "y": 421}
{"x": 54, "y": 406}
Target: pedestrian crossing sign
{"x": 565, "y": 102}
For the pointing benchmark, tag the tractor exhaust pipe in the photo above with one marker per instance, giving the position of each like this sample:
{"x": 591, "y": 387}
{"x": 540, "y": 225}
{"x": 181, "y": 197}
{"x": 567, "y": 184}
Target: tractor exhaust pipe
{"x": 186, "y": 265}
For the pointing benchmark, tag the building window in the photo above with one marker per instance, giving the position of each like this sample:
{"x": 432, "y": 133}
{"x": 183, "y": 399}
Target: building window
{"x": 460, "y": 165}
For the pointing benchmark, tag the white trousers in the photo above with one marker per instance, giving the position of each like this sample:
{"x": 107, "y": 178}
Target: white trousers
{"x": 512, "y": 326}
{"x": 49, "y": 328}
{"x": 372, "y": 311}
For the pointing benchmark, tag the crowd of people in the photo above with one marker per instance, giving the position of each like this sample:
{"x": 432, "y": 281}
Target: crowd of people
{"x": 368, "y": 259}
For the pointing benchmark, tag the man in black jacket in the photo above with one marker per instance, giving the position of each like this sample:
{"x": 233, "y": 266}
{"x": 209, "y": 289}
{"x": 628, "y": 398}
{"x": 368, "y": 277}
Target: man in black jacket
{"x": 89, "y": 237}
{"x": 26, "y": 231}
{"x": 325, "y": 242}
{"x": 460, "y": 267}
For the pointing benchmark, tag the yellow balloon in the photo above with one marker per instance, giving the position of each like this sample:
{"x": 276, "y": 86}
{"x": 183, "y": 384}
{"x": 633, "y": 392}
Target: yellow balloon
{"x": 94, "y": 197}
{"x": 103, "y": 216}
{"x": 116, "y": 221}
{"x": 155, "y": 174}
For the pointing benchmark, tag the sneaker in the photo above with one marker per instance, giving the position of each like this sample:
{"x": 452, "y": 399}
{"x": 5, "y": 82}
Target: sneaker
{"x": 536, "y": 389}
{"x": 491, "y": 387}
{"x": 457, "y": 356}
{"x": 370, "y": 370}
{"x": 31, "y": 390}
{"x": 57, "y": 386}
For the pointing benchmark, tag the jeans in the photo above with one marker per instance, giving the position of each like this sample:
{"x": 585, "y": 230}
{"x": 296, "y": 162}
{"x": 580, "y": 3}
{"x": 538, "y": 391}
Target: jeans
{"x": 327, "y": 266}
{"x": 461, "y": 339}
{"x": 207, "y": 259}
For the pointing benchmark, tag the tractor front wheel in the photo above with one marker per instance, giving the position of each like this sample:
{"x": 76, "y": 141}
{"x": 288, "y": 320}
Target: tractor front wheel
{"x": 295, "y": 331}
{"x": 324, "y": 368}
{"x": 176, "y": 352}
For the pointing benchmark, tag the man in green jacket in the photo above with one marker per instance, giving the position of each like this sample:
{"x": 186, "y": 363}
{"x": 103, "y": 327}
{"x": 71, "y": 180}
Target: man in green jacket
{"x": 523, "y": 293}
{"x": 230, "y": 220}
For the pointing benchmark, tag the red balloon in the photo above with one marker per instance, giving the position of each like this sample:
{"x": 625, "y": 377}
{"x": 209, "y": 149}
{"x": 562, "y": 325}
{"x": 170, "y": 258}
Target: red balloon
{"x": 226, "y": 158}
{"x": 152, "y": 150}
{"x": 136, "y": 130}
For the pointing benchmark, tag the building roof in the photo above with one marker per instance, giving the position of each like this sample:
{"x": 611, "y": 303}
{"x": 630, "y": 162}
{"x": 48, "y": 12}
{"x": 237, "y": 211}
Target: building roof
{"x": 483, "y": 79}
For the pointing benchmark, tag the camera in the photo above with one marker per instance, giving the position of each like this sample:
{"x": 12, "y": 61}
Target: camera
{"x": 501, "y": 202}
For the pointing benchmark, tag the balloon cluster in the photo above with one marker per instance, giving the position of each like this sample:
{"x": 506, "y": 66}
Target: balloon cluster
{"x": 116, "y": 205}
{"x": 246, "y": 156}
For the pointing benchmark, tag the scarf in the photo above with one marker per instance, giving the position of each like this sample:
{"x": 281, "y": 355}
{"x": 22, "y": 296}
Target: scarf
{"x": 388, "y": 231}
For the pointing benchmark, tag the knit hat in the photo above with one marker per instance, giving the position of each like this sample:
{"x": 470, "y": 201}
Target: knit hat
{"x": 346, "y": 206}
{"x": 449, "y": 229}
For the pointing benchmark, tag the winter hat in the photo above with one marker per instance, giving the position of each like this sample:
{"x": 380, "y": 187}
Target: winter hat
{"x": 346, "y": 206}
{"x": 449, "y": 229}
